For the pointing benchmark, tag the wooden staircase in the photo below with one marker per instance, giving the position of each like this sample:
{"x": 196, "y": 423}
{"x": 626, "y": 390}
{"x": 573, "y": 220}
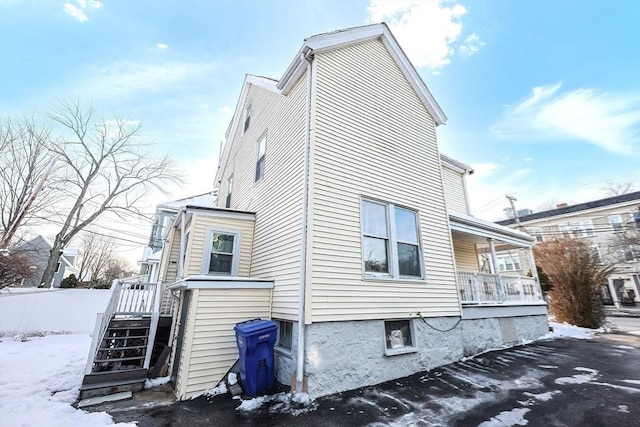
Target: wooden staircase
{"x": 122, "y": 341}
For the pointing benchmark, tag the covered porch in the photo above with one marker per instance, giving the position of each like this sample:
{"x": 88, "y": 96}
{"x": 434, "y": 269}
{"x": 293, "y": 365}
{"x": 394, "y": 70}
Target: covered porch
{"x": 484, "y": 283}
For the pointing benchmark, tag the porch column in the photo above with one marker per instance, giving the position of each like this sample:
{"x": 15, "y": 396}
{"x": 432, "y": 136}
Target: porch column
{"x": 494, "y": 267}
{"x": 534, "y": 272}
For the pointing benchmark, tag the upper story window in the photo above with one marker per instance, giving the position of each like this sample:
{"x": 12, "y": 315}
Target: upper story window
{"x": 390, "y": 242}
{"x": 595, "y": 248}
{"x": 227, "y": 203}
{"x": 537, "y": 233}
{"x": 629, "y": 253}
{"x": 582, "y": 228}
{"x": 635, "y": 217}
{"x": 508, "y": 262}
{"x": 616, "y": 222}
{"x": 262, "y": 148}
{"x": 247, "y": 117}
{"x": 223, "y": 252}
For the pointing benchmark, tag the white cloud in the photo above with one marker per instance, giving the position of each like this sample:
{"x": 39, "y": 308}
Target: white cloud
{"x": 75, "y": 12}
{"x": 126, "y": 78}
{"x": 78, "y": 13}
{"x": 528, "y": 159}
{"x": 471, "y": 45}
{"x": 162, "y": 46}
{"x": 482, "y": 170}
{"x": 91, "y": 3}
{"x": 427, "y": 30}
{"x": 225, "y": 109}
{"x": 608, "y": 120}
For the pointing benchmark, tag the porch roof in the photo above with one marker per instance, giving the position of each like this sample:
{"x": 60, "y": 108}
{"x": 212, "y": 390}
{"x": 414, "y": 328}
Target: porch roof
{"x": 472, "y": 226}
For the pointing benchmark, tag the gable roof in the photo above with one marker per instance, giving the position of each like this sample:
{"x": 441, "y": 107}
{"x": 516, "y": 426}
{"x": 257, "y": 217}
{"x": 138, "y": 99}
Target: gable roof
{"x": 609, "y": 201}
{"x": 323, "y": 43}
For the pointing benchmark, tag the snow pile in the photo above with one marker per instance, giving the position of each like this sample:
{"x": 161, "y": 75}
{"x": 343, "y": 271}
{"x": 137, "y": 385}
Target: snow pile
{"x": 220, "y": 389}
{"x": 565, "y": 330}
{"x": 156, "y": 382}
{"x": 514, "y": 417}
{"x": 281, "y": 403}
{"x": 41, "y": 378}
{"x": 232, "y": 378}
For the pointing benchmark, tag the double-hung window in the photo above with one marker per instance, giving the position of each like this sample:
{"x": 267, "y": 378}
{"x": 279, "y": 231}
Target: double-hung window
{"x": 227, "y": 203}
{"x": 262, "y": 148}
{"x": 616, "y": 222}
{"x": 390, "y": 241}
{"x": 221, "y": 256}
{"x": 247, "y": 117}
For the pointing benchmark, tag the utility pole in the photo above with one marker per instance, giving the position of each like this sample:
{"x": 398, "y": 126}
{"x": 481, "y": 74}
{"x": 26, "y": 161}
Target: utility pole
{"x": 513, "y": 208}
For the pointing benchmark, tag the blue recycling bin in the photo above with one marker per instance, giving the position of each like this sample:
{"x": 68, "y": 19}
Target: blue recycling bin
{"x": 255, "y": 339}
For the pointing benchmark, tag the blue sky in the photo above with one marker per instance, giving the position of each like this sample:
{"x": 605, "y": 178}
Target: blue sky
{"x": 543, "y": 97}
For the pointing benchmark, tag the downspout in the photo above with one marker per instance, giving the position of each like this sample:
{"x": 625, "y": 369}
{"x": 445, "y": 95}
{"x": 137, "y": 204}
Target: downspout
{"x": 303, "y": 244}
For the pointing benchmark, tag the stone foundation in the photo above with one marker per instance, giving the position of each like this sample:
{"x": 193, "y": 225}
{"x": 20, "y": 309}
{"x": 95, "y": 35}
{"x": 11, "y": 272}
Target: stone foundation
{"x": 344, "y": 356}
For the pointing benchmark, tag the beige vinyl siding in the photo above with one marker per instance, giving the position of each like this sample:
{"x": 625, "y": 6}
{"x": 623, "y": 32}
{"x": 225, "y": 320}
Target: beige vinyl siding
{"x": 465, "y": 255}
{"x": 187, "y": 341}
{"x": 198, "y": 237}
{"x": 373, "y": 138}
{"x": 210, "y": 337}
{"x": 169, "y": 267}
{"x": 277, "y": 197}
{"x": 454, "y": 193}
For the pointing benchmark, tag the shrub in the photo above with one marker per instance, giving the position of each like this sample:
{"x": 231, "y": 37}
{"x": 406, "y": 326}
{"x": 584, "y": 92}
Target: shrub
{"x": 573, "y": 268}
{"x": 70, "y": 281}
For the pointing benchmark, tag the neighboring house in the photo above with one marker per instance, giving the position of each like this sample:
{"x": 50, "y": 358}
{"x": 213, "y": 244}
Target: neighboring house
{"x": 339, "y": 219}
{"x": 612, "y": 226}
{"x": 37, "y": 250}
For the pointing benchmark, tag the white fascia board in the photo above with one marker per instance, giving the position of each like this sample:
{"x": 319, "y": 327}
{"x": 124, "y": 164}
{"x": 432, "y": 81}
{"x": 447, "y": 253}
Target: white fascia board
{"x": 322, "y": 43}
{"x": 471, "y": 225}
{"x": 221, "y": 282}
{"x": 248, "y": 216}
{"x": 413, "y": 77}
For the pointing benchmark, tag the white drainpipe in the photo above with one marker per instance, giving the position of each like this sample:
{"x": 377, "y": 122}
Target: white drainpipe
{"x": 182, "y": 245}
{"x": 303, "y": 246}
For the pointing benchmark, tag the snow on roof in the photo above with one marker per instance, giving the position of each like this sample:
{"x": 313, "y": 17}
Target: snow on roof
{"x": 204, "y": 200}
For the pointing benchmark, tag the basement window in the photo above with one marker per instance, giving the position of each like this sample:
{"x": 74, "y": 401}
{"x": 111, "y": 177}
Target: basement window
{"x": 399, "y": 337}
{"x": 285, "y": 335}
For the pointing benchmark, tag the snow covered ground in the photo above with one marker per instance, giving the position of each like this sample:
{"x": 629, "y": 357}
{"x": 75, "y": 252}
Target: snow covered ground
{"x": 40, "y": 379}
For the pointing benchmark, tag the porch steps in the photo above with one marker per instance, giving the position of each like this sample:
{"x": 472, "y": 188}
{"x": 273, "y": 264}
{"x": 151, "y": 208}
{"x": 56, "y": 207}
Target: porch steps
{"x": 118, "y": 364}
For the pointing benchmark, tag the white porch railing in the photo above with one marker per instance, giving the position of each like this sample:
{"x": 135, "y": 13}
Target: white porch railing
{"x": 483, "y": 288}
{"x": 127, "y": 299}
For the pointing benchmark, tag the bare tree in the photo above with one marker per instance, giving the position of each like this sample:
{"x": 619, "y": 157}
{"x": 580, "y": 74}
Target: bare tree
{"x": 95, "y": 251}
{"x": 107, "y": 171}
{"x": 24, "y": 159}
{"x": 577, "y": 276}
{"x": 116, "y": 268}
{"x": 611, "y": 189}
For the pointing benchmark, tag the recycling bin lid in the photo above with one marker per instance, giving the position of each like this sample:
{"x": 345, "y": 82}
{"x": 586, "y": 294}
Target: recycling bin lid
{"x": 254, "y": 326}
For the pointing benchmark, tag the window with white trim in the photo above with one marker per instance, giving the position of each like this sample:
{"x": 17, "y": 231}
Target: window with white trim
{"x": 582, "y": 228}
{"x": 629, "y": 254}
{"x": 222, "y": 256}
{"x": 390, "y": 241}
{"x": 635, "y": 217}
{"x": 399, "y": 337}
{"x": 262, "y": 148}
{"x": 247, "y": 117}
{"x": 508, "y": 262}
{"x": 227, "y": 203}
{"x": 537, "y": 233}
{"x": 616, "y": 222}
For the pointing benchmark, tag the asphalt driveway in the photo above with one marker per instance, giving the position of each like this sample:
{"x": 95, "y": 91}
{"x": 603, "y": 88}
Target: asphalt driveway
{"x": 564, "y": 382}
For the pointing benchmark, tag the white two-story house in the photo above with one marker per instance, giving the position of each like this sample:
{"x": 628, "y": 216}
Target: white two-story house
{"x": 338, "y": 217}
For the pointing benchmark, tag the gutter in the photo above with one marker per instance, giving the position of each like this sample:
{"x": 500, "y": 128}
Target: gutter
{"x": 306, "y": 57}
